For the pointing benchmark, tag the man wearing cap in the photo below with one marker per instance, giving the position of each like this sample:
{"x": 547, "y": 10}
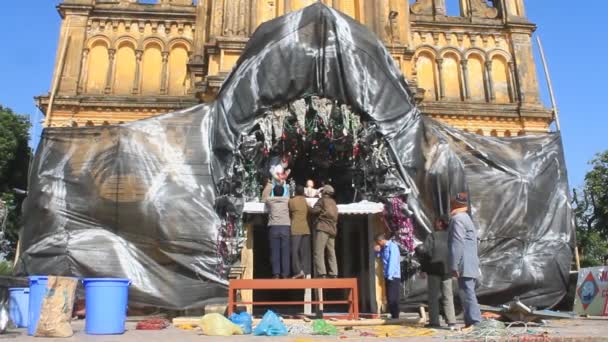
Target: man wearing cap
{"x": 326, "y": 212}
{"x": 463, "y": 259}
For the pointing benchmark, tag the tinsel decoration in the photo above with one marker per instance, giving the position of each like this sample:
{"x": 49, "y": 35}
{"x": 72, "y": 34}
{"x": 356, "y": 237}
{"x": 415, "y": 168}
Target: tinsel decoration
{"x": 278, "y": 120}
{"x": 400, "y": 223}
{"x": 323, "y": 107}
{"x": 300, "y": 108}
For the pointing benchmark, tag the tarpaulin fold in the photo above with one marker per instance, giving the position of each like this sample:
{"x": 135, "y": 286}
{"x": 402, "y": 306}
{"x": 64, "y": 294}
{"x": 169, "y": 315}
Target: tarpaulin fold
{"x": 141, "y": 200}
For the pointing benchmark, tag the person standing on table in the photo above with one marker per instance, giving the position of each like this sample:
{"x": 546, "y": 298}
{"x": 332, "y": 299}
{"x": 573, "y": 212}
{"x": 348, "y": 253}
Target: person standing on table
{"x": 279, "y": 232}
{"x": 463, "y": 259}
{"x": 388, "y": 251}
{"x": 439, "y": 278}
{"x": 326, "y": 211}
{"x": 300, "y": 234}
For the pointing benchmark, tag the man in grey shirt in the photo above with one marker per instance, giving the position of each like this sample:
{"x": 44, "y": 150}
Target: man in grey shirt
{"x": 463, "y": 259}
{"x": 279, "y": 232}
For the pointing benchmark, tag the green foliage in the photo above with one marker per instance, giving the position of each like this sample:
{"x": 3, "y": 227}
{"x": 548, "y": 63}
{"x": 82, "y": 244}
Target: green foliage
{"x": 14, "y": 161}
{"x": 6, "y": 268}
{"x": 591, "y": 213}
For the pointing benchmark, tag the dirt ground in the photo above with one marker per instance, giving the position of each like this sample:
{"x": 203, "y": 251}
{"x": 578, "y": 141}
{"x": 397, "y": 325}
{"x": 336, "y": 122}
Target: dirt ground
{"x": 557, "y": 330}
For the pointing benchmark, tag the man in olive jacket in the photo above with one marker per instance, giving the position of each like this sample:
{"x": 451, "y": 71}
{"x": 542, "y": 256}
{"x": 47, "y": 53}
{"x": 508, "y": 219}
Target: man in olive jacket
{"x": 300, "y": 234}
{"x": 326, "y": 211}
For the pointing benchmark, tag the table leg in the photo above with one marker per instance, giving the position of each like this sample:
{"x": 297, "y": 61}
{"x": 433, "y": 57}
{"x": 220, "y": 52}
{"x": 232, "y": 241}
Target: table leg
{"x": 230, "y": 301}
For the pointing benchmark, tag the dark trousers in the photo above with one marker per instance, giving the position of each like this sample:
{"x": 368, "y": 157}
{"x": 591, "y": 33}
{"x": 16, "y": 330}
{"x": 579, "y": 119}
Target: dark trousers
{"x": 472, "y": 313}
{"x": 279, "y": 250}
{"x": 393, "y": 290}
{"x": 300, "y": 254}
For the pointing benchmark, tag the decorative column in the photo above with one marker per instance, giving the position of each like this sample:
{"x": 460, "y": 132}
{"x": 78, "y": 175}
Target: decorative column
{"x": 489, "y": 82}
{"x": 512, "y": 87}
{"x": 164, "y": 78}
{"x": 84, "y": 70}
{"x": 464, "y": 68}
{"x": 110, "y": 74}
{"x": 137, "y": 80}
{"x": 440, "y": 78}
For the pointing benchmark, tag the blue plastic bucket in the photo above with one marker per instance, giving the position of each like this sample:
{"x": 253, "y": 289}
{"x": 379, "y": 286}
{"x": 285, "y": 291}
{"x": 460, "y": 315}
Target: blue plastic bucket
{"x": 106, "y": 305}
{"x": 18, "y": 306}
{"x": 37, "y": 292}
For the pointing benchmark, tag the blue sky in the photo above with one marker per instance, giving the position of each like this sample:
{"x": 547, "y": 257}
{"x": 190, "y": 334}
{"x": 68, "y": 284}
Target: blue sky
{"x": 572, "y": 36}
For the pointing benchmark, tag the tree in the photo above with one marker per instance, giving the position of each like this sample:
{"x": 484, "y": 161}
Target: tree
{"x": 591, "y": 212}
{"x": 14, "y": 161}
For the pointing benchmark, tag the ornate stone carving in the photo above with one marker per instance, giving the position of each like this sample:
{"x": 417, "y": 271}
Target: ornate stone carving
{"x": 481, "y": 9}
{"x": 423, "y": 7}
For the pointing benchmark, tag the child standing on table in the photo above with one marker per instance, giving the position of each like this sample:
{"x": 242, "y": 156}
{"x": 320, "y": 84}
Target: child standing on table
{"x": 310, "y": 190}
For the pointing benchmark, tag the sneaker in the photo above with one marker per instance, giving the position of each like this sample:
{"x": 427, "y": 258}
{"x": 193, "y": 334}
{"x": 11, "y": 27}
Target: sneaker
{"x": 321, "y": 276}
{"x": 452, "y": 327}
{"x": 332, "y": 276}
{"x": 432, "y": 326}
{"x": 276, "y": 276}
{"x": 300, "y": 275}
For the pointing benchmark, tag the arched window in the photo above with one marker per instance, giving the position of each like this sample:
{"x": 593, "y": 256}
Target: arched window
{"x": 453, "y": 8}
{"x": 124, "y": 76}
{"x": 427, "y": 78}
{"x": 178, "y": 61}
{"x": 500, "y": 79}
{"x": 507, "y": 133}
{"x": 479, "y": 131}
{"x": 494, "y": 133}
{"x": 451, "y": 77}
{"x": 152, "y": 66}
{"x": 477, "y": 87}
{"x": 97, "y": 68}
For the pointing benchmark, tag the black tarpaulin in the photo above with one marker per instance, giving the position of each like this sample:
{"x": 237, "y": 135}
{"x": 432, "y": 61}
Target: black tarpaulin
{"x": 141, "y": 200}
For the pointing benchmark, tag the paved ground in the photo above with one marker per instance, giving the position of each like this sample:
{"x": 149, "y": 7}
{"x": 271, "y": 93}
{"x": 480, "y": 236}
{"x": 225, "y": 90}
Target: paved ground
{"x": 558, "y": 330}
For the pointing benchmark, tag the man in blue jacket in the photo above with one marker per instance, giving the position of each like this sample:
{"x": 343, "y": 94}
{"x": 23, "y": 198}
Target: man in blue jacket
{"x": 463, "y": 259}
{"x": 391, "y": 263}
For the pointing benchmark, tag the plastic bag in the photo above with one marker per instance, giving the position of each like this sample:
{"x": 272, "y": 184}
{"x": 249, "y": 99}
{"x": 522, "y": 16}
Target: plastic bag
{"x": 270, "y": 325}
{"x": 243, "y": 320}
{"x": 321, "y": 327}
{"x": 217, "y": 325}
{"x": 56, "y": 311}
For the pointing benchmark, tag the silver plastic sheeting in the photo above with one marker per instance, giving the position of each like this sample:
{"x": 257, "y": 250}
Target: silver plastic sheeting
{"x": 157, "y": 201}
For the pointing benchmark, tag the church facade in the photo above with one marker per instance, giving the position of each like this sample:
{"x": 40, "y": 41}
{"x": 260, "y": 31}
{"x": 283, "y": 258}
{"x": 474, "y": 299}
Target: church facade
{"x": 470, "y": 62}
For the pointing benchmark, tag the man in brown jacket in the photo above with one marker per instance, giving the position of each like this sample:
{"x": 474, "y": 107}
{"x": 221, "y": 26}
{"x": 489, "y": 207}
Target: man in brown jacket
{"x": 300, "y": 234}
{"x": 327, "y": 220}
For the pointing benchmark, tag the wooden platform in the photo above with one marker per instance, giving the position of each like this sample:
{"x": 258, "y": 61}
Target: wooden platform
{"x": 296, "y": 284}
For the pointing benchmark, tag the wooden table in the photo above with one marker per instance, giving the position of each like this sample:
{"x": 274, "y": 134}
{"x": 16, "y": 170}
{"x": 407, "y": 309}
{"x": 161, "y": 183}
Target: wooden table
{"x": 296, "y": 284}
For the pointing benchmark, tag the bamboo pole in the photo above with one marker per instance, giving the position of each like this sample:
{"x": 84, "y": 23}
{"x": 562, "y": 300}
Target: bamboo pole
{"x": 549, "y": 83}
{"x": 61, "y": 64}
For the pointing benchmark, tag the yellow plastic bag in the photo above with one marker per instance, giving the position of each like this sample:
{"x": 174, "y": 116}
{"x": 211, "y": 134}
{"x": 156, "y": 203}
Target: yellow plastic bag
{"x": 217, "y": 325}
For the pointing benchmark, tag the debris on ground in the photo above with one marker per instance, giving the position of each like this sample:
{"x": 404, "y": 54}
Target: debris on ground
{"x": 243, "y": 320}
{"x": 270, "y": 325}
{"x": 397, "y": 331}
{"x": 153, "y": 324}
{"x": 186, "y": 326}
{"x": 517, "y": 311}
{"x": 300, "y": 329}
{"x": 215, "y": 324}
{"x": 321, "y": 327}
